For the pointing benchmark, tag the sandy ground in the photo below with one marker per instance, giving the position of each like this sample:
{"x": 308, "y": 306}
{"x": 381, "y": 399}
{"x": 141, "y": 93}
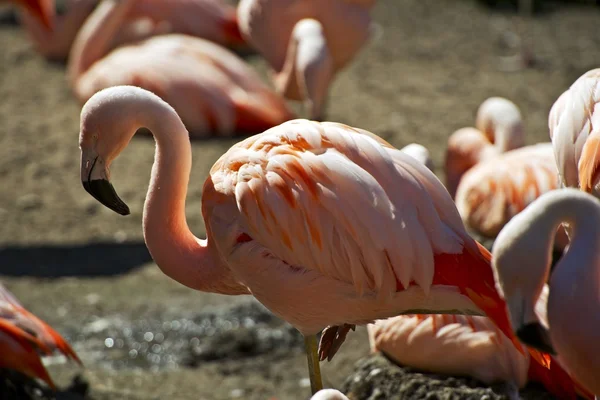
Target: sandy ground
{"x": 85, "y": 269}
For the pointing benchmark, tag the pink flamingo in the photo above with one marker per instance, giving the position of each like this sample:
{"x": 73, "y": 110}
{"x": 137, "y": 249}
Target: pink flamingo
{"x": 211, "y": 88}
{"x": 521, "y": 265}
{"x": 24, "y": 338}
{"x": 419, "y": 153}
{"x": 494, "y": 191}
{"x": 327, "y": 225}
{"x": 209, "y": 19}
{"x": 459, "y": 345}
{"x": 329, "y": 394}
{"x": 38, "y": 9}
{"x": 306, "y": 42}
{"x": 574, "y": 123}
{"x": 499, "y": 128}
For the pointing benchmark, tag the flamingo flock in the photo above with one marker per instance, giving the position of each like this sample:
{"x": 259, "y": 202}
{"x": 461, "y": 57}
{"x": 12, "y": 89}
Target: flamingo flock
{"x": 328, "y": 225}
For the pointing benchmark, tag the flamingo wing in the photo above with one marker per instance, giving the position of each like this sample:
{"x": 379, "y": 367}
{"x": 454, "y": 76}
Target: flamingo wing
{"x": 341, "y": 201}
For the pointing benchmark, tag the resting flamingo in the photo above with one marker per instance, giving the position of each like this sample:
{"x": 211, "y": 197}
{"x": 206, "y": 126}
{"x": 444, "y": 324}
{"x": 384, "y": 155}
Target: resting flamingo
{"x": 212, "y": 89}
{"x": 212, "y": 20}
{"x": 326, "y": 225}
{"x": 521, "y": 265}
{"x": 498, "y": 128}
{"x": 306, "y": 42}
{"x": 458, "y": 345}
{"x": 419, "y": 153}
{"x": 574, "y": 123}
{"x": 24, "y": 338}
{"x": 38, "y": 9}
{"x": 494, "y": 191}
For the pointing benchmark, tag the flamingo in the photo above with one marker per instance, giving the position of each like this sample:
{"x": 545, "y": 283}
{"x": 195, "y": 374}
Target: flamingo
{"x": 24, "y": 338}
{"x": 38, "y": 9}
{"x": 499, "y": 128}
{"x": 211, "y": 88}
{"x": 329, "y": 394}
{"x": 209, "y": 19}
{"x": 327, "y": 225}
{"x": 306, "y": 42}
{"x": 419, "y": 153}
{"x": 521, "y": 263}
{"x": 494, "y": 191}
{"x": 574, "y": 124}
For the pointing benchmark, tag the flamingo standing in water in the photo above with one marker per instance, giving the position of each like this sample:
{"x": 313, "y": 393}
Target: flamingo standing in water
{"x": 499, "y": 128}
{"x": 306, "y": 42}
{"x": 574, "y": 123}
{"x": 210, "y": 87}
{"x": 327, "y": 225}
{"x": 209, "y": 19}
{"x": 521, "y": 262}
{"x": 494, "y": 191}
{"x": 24, "y": 338}
{"x": 39, "y": 10}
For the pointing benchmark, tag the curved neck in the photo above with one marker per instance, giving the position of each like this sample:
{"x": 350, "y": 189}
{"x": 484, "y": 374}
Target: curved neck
{"x": 174, "y": 248}
{"x": 508, "y": 138}
{"x": 95, "y": 36}
{"x": 582, "y": 214}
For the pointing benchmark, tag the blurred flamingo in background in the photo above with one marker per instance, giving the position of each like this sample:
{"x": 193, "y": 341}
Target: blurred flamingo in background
{"x": 212, "y": 20}
{"x": 369, "y": 231}
{"x": 521, "y": 262}
{"x": 306, "y": 42}
{"x": 574, "y": 123}
{"x": 494, "y": 191}
{"x": 499, "y": 128}
{"x": 24, "y": 338}
{"x": 419, "y": 153}
{"x": 210, "y": 87}
{"x": 40, "y": 11}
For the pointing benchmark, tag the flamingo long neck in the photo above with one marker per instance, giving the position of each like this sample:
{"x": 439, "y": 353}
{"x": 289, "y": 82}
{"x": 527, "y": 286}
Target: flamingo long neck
{"x": 177, "y": 252}
{"x": 95, "y": 36}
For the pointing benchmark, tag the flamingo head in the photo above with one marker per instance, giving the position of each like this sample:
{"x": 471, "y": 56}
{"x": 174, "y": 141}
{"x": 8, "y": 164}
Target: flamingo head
{"x": 500, "y": 121}
{"x": 521, "y": 260}
{"x": 420, "y": 153}
{"x": 465, "y": 148}
{"x": 109, "y": 119}
{"x": 329, "y": 394}
{"x": 43, "y": 10}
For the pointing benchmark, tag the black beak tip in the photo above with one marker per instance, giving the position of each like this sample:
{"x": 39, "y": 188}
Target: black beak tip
{"x": 536, "y": 336}
{"x": 103, "y": 191}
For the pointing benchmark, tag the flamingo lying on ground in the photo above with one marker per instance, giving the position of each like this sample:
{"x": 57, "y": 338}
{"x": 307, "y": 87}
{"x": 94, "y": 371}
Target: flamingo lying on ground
{"x": 327, "y": 225}
{"x": 574, "y": 123}
{"x": 419, "y": 153}
{"x": 212, "y": 20}
{"x": 38, "y": 9}
{"x": 24, "y": 338}
{"x": 210, "y": 87}
{"x": 306, "y": 42}
{"x": 499, "y": 128}
{"x": 459, "y": 345}
{"x": 521, "y": 262}
{"x": 494, "y": 191}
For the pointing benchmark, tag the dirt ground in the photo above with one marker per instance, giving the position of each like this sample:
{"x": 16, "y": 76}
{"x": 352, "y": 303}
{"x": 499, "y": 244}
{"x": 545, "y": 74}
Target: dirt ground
{"x": 86, "y": 271}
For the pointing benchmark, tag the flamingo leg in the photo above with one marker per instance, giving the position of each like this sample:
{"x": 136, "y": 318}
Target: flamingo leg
{"x": 314, "y": 369}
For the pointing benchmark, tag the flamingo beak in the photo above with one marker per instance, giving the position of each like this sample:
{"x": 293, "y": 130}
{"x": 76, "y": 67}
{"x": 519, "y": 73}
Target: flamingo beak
{"x": 536, "y": 336}
{"x": 97, "y": 184}
{"x": 41, "y": 10}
